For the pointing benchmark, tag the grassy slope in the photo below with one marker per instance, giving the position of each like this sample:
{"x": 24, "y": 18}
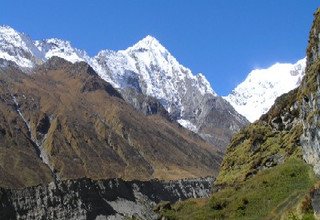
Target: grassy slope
{"x": 265, "y": 196}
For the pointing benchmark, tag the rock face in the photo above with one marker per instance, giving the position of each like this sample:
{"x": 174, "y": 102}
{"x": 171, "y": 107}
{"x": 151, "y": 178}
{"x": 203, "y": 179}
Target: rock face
{"x": 147, "y": 70}
{"x": 146, "y": 104}
{"x": 102, "y": 199}
{"x": 310, "y": 139}
{"x": 216, "y": 121}
{"x": 64, "y": 122}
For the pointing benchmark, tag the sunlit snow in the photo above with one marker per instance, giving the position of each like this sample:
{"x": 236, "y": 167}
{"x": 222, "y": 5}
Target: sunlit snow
{"x": 257, "y": 93}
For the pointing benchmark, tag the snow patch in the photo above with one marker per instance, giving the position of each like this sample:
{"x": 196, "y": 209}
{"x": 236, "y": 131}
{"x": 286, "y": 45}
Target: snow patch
{"x": 188, "y": 125}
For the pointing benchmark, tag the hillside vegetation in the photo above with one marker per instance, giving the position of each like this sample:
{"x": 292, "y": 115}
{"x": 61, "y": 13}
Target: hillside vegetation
{"x": 264, "y": 174}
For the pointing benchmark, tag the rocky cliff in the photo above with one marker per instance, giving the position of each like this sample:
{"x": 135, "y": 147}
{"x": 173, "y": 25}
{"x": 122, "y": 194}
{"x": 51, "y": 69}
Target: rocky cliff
{"x": 101, "y": 199}
{"x": 310, "y": 108}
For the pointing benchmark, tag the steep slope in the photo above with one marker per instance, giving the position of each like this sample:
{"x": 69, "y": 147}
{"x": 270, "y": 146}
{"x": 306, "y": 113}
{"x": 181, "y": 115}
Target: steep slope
{"x": 158, "y": 72}
{"x": 147, "y": 68}
{"x": 56, "y": 47}
{"x": 19, "y": 48}
{"x": 77, "y": 125}
{"x": 257, "y": 93}
{"x": 264, "y": 174}
{"x": 310, "y": 95}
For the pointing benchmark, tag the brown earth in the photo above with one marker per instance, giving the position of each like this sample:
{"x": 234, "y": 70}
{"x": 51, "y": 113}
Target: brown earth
{"x": 88, "y": 130}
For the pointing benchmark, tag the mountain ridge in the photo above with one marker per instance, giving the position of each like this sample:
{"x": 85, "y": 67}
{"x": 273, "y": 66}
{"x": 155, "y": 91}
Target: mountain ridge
{"x": 64, "y": 122}
{"x": 149, "y": 68}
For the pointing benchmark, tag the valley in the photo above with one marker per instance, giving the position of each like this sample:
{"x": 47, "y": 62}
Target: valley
{"x": 134, "y": 134}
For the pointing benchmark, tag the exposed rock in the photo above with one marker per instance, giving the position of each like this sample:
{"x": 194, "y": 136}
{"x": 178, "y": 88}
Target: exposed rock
{"x": 103, "y": 199}
{"x": 146, "y": 104}
{"x": 216, "y": 121}
{"x": 310, "y": 112}
{"x": 43, "y": 124}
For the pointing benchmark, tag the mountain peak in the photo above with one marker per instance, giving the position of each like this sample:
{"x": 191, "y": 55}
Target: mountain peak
{"x": 147, "y": 43}
{"x": 61, "y": 48}
{"x": 7, "y": 32}
{"x": 18, "y": 47}
{"x": 6, "y": 27}
{"x": 150, "y": 39}
{"x": 257, "y": 93}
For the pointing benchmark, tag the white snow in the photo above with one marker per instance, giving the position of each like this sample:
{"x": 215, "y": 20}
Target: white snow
{"x": 19, "y": 48}
{"x": 257, "y": 93}
{"x": 60, "y": 48}
{"x": 149, "y": 66}
{"x": 188, "y": 125}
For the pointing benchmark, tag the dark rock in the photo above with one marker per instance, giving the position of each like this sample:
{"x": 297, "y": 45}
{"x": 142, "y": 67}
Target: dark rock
{"x": 145, "y": 104}
{"x": 94, "y": 84}
{"x": 43, "y": 124}
{"x": 89, "y": 199}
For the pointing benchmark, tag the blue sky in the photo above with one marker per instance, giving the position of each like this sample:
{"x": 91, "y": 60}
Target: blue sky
{"x": 222, "y": 39}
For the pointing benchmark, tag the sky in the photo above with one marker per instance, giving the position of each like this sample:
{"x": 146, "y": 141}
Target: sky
{"x": 223, "y": 39}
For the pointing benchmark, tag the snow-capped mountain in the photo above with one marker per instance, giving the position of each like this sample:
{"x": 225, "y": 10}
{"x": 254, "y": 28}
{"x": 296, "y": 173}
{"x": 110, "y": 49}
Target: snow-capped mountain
{"x": 147, "y": 68}
{"x": 60, "y": 48}
{"x": 150, "y": 68}
{"x": 257, "y": 93}
{"x": 19, "y": 48}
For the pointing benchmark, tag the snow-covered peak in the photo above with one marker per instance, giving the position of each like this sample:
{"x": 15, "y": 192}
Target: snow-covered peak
{"x": 257, "y": 93}
{"x": 149, "y": 51}
{"x": 61, "y": 48}
{"x": 147, "y": 43}
{"x": 19, "y": 48}
{"x": 147, "y": 66}
{"x": 150, "y": 68}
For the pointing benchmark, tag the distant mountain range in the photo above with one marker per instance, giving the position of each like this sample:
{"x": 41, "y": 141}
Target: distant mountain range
{"x": 148, "y": 68}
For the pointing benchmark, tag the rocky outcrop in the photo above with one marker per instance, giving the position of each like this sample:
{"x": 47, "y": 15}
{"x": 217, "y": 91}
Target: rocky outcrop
{"x": 216, "y": 121}
{"x": 102, "y": 199}
{"x": 310, "y": 95}
{"x": 146, "y": 104}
